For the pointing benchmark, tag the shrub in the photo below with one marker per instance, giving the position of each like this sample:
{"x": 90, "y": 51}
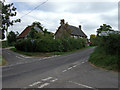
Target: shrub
{"x": 111, "y": 44}
{"x": 100, "y": 58}
{"x": 49, "y": 45}
{"x": 11, "y": 38}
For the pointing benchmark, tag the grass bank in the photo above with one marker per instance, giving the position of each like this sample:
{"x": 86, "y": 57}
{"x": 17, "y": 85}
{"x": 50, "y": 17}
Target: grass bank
{"x": 101, "y": 59}
{"x": 2, "y": 61}
{"x": 46, "y": 54}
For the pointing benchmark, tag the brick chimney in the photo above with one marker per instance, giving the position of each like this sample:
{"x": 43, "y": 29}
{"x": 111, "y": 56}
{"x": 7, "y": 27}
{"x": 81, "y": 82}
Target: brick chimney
{"x": 62, "y": 22}
{"x": 80, "y": 27}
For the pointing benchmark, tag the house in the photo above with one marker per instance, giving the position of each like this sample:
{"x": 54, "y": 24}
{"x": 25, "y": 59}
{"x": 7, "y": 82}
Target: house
{"x": 68, "y": 30}
{"x": 26, "y": 31}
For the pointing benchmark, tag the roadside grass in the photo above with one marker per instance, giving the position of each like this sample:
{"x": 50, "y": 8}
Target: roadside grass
{"x": 4, "y": 44}
{"x": 101, "y": 59}
{"x": 2, "y": 61}
{"x": 45, "y": 54}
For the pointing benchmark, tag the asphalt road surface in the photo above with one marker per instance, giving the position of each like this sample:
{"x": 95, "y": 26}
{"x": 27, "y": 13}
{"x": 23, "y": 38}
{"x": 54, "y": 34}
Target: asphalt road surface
{"x": 66, "y": 71}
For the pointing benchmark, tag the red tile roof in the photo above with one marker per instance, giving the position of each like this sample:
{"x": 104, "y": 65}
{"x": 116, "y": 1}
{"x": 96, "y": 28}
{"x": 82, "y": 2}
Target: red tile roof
{"x": 25, "y": 32}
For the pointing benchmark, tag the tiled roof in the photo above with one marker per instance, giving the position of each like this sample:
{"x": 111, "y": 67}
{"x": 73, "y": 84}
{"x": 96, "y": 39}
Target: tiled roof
{"x": 25, "y": 32}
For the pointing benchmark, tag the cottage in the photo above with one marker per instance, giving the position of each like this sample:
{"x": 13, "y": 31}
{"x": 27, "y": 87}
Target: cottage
{"x": 68, "y": 30}
{"x": 26, "y": 31}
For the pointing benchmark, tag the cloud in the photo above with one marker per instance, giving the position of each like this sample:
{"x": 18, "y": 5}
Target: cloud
{"x": 90, "y": 7}
{"x": 89, "y": 14}
{"x": 111, "y": 18}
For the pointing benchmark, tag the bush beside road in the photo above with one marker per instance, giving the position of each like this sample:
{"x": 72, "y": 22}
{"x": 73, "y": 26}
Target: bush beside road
{"x": 107, "y": 54}
{"x": 100, "y": 59}
{"x": 45, "y": 54}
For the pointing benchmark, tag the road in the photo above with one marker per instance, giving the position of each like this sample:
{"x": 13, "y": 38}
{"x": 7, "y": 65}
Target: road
{"x": 66, "y": 71}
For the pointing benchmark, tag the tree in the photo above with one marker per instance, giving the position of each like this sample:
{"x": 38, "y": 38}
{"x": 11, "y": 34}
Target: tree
{"x": 104, "y": 27}
{"x": 48, "y": 34}
{"x": 32, "y": 33}
{"x": 93, "y": 39}
{"x": 8, "y": 10}
{"x": 11, "y": 38}
{"x": 38, "y": 24}
{"x": 92, "y": 36}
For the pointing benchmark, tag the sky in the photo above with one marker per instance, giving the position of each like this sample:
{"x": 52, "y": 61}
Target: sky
{"x": 90, "y": 14}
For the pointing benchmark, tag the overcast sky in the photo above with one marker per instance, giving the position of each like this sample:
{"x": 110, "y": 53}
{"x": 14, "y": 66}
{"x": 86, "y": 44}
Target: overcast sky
{"x": 90, "y": 15}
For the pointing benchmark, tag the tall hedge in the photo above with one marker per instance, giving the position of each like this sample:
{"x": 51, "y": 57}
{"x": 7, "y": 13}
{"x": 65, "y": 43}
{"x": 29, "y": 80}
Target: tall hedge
{"x": 49, "y": 45}
{"x": 111, "y": 44}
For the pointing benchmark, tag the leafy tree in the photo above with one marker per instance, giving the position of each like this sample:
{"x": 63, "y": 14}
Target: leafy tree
{"x": 8, "y": 10}
{"x": 48, "y": 34}
{"x": 104, "y": 27}
{"x": 93, "y": 39}
{"x": 32, "y": 33}
{"x": 17, "y": 33}
{"x": 11, "y": 38}
{"x": 92, "y": 36}
{"x": 38, "y": 24}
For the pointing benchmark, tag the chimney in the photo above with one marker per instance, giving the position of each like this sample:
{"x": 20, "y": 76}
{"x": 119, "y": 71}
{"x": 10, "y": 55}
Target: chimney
{"x": 62, "y": 22}
{"x": 80, "y": 27}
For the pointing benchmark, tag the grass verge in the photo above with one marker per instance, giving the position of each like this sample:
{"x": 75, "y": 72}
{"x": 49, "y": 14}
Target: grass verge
{"x": 101, "y": 59}
{"x": 41, "y": 54}
{"x": 2, "y": 61}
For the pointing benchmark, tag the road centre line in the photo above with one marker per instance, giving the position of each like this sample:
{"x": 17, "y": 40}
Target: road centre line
{"x": 54, "y": 80}
{"x": 35, "y": 84}
{"x": 64, "y": 70}
{"x": 47, "y": 79}
{"x": 80, "y": 84}
{"x": 43, "y": 85}
{"x": 75, "y": 66}
{"x": 83, "y": 62}
{"x": 70, "y": 68}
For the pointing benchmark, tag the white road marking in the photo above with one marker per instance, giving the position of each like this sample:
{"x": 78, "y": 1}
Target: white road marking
{"x": 75, "y": 66}
{"x": 25, "y": 56}
{"x": 45, "y": 58}
{"x": 19, "y": 57}
{"x": 47, "y": 79}
{"x": 64, "y": 70}
{"x": 83, "y": 62}
{"x": 35, "y": 84}
{"x": 70, "y": 68}
{"x": 22, "y": 56}
{"x": 54, "y": 80}
{"x": 80, "y": 84}
{"x": 43, "y": 85}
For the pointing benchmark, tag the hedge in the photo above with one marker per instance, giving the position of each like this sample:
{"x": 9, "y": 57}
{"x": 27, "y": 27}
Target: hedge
{"x": 111, "y": 44}
{"x": 49, "y": 45}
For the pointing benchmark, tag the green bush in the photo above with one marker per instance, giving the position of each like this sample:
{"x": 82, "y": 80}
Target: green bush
{"x": 107, "y": 53}
{"x": 100, "y": 58}
{"x": 111, "y": 44}
{"x": 11, "y": 38}
{"x": 49, "y": 45}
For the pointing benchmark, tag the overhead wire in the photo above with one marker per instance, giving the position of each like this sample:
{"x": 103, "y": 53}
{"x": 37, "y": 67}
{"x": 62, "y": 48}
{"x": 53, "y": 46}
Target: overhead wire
{"x": 34, "y": 9}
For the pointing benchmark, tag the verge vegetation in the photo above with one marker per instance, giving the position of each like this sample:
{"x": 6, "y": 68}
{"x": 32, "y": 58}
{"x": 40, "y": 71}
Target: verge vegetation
{"x": 2, "y": 61}
{"x": 45, "y": 54}
{"x": 107, "y": 54}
